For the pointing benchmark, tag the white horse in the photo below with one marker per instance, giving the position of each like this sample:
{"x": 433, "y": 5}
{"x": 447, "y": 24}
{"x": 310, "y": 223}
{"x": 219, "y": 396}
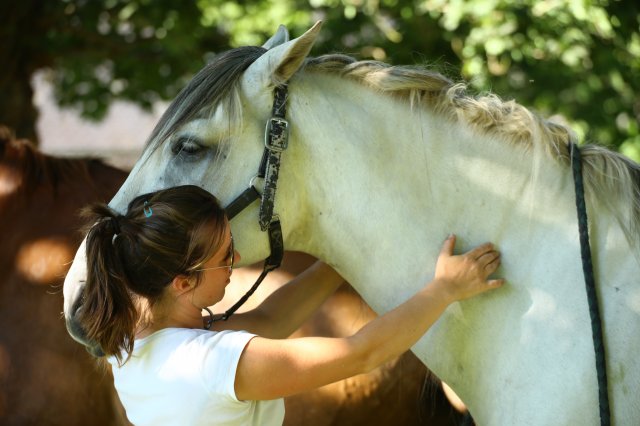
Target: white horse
{"x": 383, "y": 162}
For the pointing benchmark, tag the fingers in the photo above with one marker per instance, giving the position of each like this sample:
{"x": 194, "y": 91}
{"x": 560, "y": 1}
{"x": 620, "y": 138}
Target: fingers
{"x": 485, "y": 256}
{"x": 479, "y": 251}
{"x": 487, "y": 249}
{"x": 448, "y": 245}
{"x": 496, "y": 283}
{"x": 489, "y": 260}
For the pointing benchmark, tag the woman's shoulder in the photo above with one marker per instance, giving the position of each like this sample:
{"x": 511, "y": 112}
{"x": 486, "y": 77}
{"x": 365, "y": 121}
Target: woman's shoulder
{"x": 199, "y": 352}
{"x": 189, "y": 337}
{"x": 178, "y": 343}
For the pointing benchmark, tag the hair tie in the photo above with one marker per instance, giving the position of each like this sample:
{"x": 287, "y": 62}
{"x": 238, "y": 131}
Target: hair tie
{"x": 115, "y": 224}
{"x": 147, "y": 210}
{"x": 116, "y": 228}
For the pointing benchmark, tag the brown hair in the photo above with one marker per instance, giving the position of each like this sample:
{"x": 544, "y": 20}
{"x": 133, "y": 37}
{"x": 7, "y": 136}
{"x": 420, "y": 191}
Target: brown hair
{"x": 132, "y": 258}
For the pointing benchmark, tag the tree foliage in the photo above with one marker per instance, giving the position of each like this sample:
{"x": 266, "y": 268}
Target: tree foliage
{"x": 579, "y": 59}
{"x": 98, "y": 51}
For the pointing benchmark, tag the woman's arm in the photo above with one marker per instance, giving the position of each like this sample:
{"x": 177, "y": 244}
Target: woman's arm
{"x": 287, "y": 308}
{"x": 271, "y": 369}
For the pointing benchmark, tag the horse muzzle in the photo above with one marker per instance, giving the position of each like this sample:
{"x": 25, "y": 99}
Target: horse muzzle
{"x": 78, "y": 334}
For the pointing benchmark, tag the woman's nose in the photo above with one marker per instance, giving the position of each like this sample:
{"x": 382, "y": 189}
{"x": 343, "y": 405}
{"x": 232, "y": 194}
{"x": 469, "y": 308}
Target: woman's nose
{"x": 236, "y": 255}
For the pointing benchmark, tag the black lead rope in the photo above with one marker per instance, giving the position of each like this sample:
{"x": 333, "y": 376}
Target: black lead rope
{"x": 592, "y": 297}
{"x": 276, "y": 140}
{"x": 272, "y": 262}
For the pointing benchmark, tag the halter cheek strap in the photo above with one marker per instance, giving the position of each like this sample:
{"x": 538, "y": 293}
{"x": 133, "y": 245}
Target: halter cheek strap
{"x": 276, "y": 141}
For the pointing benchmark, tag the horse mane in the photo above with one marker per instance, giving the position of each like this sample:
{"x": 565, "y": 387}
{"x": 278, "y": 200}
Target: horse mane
{"x": 214, "y": 83}
{"x": 27, "y": 168}
{"x": 609, "y": 177}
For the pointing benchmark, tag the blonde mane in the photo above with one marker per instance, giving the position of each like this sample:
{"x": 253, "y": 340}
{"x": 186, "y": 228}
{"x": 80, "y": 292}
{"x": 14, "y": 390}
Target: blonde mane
{"x": 609, "y": 177}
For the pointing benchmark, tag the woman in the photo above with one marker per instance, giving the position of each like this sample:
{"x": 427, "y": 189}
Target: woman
{"x": 153, "y": 271}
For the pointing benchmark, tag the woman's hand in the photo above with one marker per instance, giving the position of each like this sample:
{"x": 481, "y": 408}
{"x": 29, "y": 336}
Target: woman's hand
{"x": 466, "y": 275}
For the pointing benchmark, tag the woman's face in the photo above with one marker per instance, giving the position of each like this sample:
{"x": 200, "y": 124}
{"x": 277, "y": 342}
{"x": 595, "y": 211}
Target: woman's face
{"x": 216, "y": 273}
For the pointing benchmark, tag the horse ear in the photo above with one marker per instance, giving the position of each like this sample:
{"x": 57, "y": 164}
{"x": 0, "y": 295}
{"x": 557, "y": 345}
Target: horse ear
{"x": 280, "y": 37}
{"x": 280, "y": 62}
{"x": 287, "y": 58}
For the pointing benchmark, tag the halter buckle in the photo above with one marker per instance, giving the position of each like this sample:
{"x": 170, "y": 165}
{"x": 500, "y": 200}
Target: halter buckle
{"x": 276, "y": 134}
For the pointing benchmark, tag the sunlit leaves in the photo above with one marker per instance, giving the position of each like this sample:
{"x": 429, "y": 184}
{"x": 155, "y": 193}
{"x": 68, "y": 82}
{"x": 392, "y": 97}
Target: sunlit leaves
{"x": 252, "y": 22}
{"x": 139, "y": 50}
{"x": 579, "y": 59}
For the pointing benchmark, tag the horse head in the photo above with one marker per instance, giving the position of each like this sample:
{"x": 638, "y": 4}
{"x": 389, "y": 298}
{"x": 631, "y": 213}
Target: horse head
{"x": 211, "y": 136}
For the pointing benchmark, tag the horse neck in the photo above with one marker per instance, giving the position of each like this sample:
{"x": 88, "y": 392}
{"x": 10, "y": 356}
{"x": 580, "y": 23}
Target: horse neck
{"x": 390, "y": 180}
{"x": 384, "y": 185}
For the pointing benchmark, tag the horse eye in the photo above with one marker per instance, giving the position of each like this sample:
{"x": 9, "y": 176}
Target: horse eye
{"x": 186, "y": 146}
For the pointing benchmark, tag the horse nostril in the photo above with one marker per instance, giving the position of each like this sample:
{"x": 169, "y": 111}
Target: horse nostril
{"x": 75, "y": 309}
{"x": 75, "y": 330}
{"x": 78, "y": 334}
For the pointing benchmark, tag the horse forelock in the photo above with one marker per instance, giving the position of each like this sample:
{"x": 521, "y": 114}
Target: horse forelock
{"x": 213, "y": 84}
{"x": 609, "y": 177}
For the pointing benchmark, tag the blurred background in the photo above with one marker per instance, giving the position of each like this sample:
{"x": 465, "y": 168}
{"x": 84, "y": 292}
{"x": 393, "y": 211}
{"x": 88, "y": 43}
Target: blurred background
{"x": 122, "y": 60}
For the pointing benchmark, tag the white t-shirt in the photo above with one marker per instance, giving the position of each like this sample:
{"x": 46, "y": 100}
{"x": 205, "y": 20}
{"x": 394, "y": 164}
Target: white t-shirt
{"x": 180, "y": 376}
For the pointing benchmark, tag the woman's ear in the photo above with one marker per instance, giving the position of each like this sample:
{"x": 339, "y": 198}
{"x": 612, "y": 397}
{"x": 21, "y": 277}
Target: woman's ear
{"x": 182, "y": 284}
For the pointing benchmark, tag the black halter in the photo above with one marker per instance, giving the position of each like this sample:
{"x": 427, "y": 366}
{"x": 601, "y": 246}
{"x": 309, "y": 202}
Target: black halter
{"x": 276, "y": 139}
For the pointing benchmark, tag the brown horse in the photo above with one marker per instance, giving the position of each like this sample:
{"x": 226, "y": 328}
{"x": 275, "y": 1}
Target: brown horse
{"x": 47, "y": 378}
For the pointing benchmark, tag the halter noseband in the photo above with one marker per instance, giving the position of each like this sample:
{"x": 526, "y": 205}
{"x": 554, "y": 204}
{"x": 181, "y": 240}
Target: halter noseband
{"x": 276, "y": 140}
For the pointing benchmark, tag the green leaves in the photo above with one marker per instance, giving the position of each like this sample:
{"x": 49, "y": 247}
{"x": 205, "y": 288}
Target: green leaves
{"x": 136, "y": 50}
{"x": 579, "y": 59}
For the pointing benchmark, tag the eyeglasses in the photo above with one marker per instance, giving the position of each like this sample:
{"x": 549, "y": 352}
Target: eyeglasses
{"x": 231, "y": 255}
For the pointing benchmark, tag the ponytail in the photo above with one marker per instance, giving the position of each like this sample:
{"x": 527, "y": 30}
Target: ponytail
{"x": 131, "y": 259}
{"x": 108, "y": 314}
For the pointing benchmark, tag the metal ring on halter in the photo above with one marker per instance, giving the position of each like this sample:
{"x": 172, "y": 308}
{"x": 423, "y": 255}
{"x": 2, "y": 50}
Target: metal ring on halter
{"x": 210, "y": 320}
{"x": 252, "y": 181}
